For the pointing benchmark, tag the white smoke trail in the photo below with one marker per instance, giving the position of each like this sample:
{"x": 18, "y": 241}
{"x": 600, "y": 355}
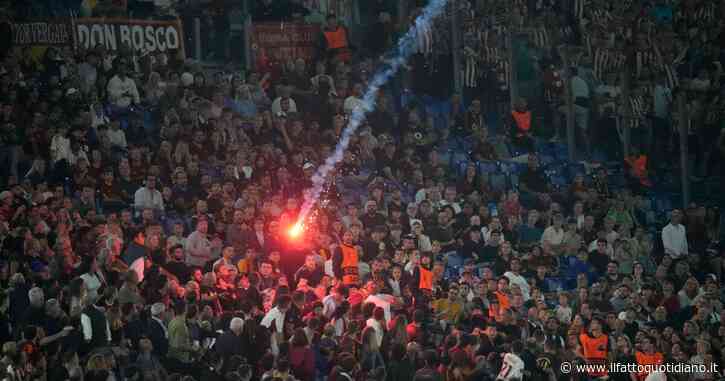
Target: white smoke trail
{"x": 395, "y": 59}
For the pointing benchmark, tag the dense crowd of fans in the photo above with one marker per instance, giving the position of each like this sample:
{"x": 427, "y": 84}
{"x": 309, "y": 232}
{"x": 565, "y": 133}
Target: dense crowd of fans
{"x": 147, "y": 205}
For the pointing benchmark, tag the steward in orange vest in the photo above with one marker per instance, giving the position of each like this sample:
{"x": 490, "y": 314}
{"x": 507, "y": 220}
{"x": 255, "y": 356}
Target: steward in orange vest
{"x": 335, "y": 42}
{"x": 520, "y": 126}
{"x": 637, "y": 164}
{"x": 345, "y": 261}
{"x": 423, "y": 282}
{"x": 595, "y": 348}
{"x": 648, "y": 357}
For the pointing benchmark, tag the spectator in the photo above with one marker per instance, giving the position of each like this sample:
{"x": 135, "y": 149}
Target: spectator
{"x": 122, "y": 90}
{"x": 96, "y": 329}
{"x": 199, "y": 248}
{"x": 148, "y": 197}
{"x": 674, "y": 236}
{"x": 149, "y": 200}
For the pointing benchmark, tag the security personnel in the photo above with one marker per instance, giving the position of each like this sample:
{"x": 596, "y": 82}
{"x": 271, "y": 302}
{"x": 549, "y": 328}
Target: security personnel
{"x": 335, "y": 42}
{"x": 521, "y": 118}
{"x": 595, "y": 348}
{"x": 345, "y": 261}
{"x": 521, "y": 125}
{"x": 637, "y": 164}
{"x": 423, "y": 281}
{"x": 648, "y": 356}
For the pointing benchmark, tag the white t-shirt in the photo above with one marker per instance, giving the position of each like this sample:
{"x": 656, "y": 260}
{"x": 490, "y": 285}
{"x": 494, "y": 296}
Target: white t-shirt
{"x": 276, "y": 316}
{"x": 520, "y": 281}
{"x": 512, "y": 368}
{"x": 351, "y": 103}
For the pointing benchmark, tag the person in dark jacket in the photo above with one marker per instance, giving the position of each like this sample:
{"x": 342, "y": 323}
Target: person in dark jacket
{"x": 157, "y": 331}
{"x": 400, "y": 366}
{"x": 96, "y": 329}
{"x": 230, "y": 343}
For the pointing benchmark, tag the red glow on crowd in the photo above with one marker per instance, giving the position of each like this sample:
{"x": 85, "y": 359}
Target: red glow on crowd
{"x": 295, "y": 231}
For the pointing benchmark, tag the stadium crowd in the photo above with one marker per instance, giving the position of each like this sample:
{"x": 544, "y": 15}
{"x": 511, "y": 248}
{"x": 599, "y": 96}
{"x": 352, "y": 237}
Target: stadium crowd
{"x": 147, "y": 205}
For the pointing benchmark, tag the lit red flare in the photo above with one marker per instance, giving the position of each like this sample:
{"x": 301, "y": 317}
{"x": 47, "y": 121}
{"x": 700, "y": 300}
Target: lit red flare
{"x": 296, "y": 230}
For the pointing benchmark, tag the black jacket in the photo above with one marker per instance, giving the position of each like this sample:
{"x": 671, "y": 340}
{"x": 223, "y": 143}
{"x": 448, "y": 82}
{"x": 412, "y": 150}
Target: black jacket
{"x": 157, "y": 335}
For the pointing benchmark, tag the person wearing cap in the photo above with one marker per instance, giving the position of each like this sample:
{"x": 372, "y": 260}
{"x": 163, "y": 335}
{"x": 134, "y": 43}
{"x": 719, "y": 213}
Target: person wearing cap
{"x": 423, "y": 242}
{"x": 308, "y": 169}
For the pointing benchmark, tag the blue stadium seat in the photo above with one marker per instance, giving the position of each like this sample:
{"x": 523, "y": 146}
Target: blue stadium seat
{"x": 546, "y": 160}
{"x": 498, "y": 182}
{"x": 462, "y": 165}
{"x": 559, "y": 181}
{"x": 514, "y": 180}
{"x": 487, "y": 167}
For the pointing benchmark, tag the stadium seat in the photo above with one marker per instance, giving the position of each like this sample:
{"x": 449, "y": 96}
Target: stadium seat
{"x": 498, "y": 182}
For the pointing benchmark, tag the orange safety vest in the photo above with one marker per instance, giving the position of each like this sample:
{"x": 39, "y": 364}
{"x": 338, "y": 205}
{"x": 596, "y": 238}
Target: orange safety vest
{"x": 646, "y": 359}
{"x": 595, "y": 350}
{"x": 337, "y": 41}
{"x": 639, "y": 167}
{"x": 523, "y": 121}
{"x": 503, "y": 300}
{"x": 349, "y": 265}
{"x": 426, "y": 279}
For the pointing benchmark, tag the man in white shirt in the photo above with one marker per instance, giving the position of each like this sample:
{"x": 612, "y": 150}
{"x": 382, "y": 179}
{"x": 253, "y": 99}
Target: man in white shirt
{"x": 284, "y": 103}
{"x": 512, "y": 367}
{"x": 516, "y": 278}
{"x": 554, "y": 234}
{"x": 354, "y": 100}
{"x": 674, "y": 236}
{"x": 116, "y": 136}
{"x": 93, "y": 316}
{"x": 148, "y": 197}
{"x": 383, "y": 301}
{"x": 276, "y": 316}
{"x": 60, "y": 145}
{"x": 122, "y": 91}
